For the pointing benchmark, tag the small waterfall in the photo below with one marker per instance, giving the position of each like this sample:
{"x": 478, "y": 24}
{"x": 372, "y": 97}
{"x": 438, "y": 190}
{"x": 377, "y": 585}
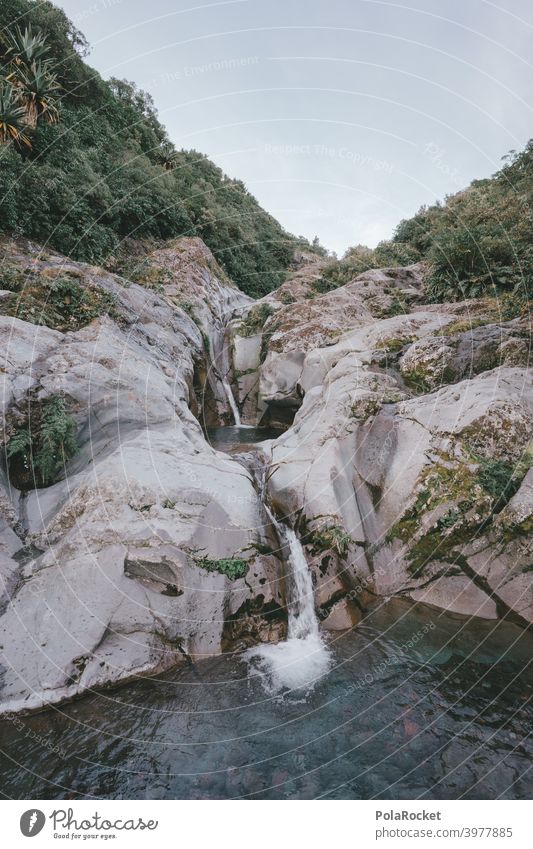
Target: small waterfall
{"x": 303, "y": 658}
{"x": 232, "y": 403}
{"x": 302, "y": 617}
{"x": 221, "y": 367}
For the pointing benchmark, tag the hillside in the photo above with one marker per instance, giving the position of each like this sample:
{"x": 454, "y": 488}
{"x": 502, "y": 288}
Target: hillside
{"x": 477, "y": 242}
{"x": 99, "y": 169}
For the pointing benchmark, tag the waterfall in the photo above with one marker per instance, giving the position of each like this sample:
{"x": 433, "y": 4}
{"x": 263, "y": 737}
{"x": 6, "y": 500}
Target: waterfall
{"x": 232, "y": 403}
{"x": 302, "y": 617}
{"x": 221, "y": 367}
{"x": 303, "y": 658}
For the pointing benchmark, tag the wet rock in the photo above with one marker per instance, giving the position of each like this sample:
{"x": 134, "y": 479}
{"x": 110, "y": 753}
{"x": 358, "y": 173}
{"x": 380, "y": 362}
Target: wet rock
{"x": 342, "y": 616}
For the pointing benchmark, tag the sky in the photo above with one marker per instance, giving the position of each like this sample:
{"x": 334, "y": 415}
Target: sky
{"x": 341, "y": 116}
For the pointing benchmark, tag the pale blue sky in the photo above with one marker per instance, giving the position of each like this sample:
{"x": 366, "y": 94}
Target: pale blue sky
{"x": 341, "y": 116}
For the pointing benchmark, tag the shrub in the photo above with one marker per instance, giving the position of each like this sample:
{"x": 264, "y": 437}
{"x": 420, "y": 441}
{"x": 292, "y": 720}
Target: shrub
{"x": 39, "y": 451}
{"x": 12, "y": 278}
{"x": 327, "y": 538}
{"x": 500, "y": 480}
{"x": 232, "y": 567}
{"x": 255, "y": 320}
{"x": 477, "y": 242}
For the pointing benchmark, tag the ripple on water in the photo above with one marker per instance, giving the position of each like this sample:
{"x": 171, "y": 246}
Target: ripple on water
{"x": 446, "y": 715}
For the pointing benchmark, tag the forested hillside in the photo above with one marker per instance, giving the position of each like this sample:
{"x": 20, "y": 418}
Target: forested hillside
{"x": 85, "y": 163}
{"x": 479, "y": 241}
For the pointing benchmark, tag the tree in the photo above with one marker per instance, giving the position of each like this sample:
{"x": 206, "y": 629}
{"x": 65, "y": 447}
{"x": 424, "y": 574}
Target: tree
{"x": 13, "y": 117}
{"x": 27, "y": 86}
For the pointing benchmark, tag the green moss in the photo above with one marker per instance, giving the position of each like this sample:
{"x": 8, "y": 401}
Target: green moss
{"x": 232, "y": 567}
{"x": 487, "y": 488}
{"x": 266, "y": 339}
{"x": 497, "y": 478}
{"x": 438, "y": 484}
{"x": 395, "y": 344}
{"x": 364, "y": 408}
{"x": 421, "y": 382}
{"x": 463, "y": 326}
{"x": 188, "y": 307}
{"x": 437, "y": 546}
{"x": 416, "y": 380}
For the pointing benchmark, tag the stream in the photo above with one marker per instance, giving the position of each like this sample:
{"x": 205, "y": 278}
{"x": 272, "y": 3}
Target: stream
{"x": 414, "y": 703}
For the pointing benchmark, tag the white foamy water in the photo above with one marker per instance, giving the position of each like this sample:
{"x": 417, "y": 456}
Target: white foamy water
{"x": 303, "y": 658}
{"x": 232, "y": 403}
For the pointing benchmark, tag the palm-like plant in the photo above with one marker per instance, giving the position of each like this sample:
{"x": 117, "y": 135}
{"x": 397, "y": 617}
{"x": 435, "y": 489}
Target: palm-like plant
{"x": 26, "y": 47}
{"x": 27, "y": 85}
{"x": 13, "y": 117}
{"x": 36, "y": 88}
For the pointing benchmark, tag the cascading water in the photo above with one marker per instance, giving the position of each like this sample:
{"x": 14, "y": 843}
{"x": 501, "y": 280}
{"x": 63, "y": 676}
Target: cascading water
{"x": 303, "y": 658}
{"x": 221, "y": 367}
{"x": 232, "y": 403}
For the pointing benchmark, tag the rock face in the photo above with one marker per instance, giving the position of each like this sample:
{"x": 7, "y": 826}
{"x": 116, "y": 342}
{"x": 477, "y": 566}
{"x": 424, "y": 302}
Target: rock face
{"x": 118, "y": 569}
{"x": 417, "y": 484}
{"x": 404, "y": 465}
{"x": 187, "y": 275}
{"x": 300, "y": 317}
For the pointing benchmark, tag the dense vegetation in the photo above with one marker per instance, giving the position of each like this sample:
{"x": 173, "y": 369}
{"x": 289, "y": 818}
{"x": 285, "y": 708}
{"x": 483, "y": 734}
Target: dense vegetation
{"x": 93, "y": 166}
{"x": 479, "y": 241}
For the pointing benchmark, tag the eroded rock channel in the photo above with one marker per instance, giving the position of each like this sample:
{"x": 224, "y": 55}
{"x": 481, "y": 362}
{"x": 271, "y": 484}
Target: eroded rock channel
{"x": 393, "y": 463}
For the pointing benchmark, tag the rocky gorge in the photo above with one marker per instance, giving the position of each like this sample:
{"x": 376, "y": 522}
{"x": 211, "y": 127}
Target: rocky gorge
{"x": 398, "y": 457}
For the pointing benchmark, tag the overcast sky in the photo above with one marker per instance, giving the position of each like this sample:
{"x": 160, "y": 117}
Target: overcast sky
{"x": 341, "y": 116}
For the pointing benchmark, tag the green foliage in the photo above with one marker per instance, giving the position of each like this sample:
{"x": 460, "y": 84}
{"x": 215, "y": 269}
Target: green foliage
{"x": 61, "y": 302}
{"x": 255, "y": 320}
{"x": 476, "y": 496}
{"x": 499, "y": 479}
{"x": 108, "y": 171}
{"x": 355, "y": 261}
{"x": 232, "y": 568}
{"x": 360, "y": 259}
{"x": 330, "y": 538}
{"x": 38, "y": 451}
{"x": 12, "y": 278}
{"x": 479, "y": 241}
{"x": 28, "y": 85}
{"x": 12, "y": 117}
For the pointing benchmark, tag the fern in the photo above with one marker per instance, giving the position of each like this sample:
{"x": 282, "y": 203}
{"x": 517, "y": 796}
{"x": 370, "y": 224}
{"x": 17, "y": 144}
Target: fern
{"x": 20, "y": 446}
{"x": 44, "y": 449}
